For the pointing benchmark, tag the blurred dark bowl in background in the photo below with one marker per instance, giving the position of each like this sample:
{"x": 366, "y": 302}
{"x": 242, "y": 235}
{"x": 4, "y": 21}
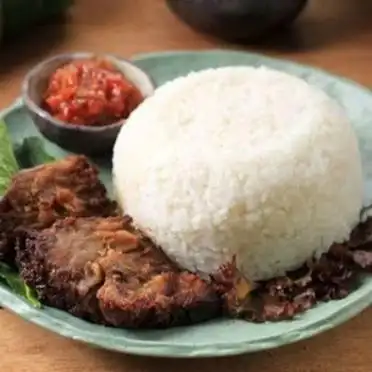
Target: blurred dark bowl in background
{"x": 237, "y": 20}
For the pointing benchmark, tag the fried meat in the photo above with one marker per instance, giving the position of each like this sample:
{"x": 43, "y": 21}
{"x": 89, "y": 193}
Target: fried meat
{"x": 37, "y": 197}
{"x": 106, "y": 271}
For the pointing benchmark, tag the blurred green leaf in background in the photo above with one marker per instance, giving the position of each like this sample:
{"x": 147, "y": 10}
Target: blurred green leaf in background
{"x": 19, "y": 15}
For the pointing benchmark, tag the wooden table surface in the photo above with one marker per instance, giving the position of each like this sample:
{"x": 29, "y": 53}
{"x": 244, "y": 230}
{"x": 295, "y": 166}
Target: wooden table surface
{"x": 333, "y": 34}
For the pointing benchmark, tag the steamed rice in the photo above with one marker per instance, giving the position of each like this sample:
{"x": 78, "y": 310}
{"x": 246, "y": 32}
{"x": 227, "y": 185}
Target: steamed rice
{"x": 240, "y": 161}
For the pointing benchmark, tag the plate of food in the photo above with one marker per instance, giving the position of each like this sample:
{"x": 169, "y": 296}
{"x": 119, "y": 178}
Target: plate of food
{"x": 186, "y": 204}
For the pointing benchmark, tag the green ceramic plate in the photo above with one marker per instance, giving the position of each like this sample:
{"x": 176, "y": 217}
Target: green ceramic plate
{"x": 220, "y": 337}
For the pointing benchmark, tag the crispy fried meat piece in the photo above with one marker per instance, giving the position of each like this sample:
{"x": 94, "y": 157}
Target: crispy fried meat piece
{"x": 37, "y": 197}
{"x": 333, "y": 276}
{"x": 104, "y": 270}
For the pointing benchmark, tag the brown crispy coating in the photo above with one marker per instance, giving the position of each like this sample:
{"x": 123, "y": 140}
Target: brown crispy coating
{"x": 104, "y": 270}
{"x": 333, "y": 276}
{"x": 37, "y": 197}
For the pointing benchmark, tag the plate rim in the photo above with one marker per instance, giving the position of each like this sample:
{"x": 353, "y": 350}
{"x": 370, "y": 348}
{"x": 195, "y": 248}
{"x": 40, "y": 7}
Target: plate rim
{"x": 362, "y": 296}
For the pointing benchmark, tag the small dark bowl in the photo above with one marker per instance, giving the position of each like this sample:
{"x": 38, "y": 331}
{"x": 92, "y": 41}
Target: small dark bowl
{"x": 237, "y": 20}
{"x": 93, "y": 141}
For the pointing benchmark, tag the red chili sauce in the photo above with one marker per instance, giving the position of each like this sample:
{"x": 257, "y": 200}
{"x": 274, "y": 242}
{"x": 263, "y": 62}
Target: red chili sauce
{"x": 90, "y": 92}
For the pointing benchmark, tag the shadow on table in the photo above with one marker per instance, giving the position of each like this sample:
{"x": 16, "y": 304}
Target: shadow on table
{"x": 325, "y": 23}
{"x": 322, "y": 24}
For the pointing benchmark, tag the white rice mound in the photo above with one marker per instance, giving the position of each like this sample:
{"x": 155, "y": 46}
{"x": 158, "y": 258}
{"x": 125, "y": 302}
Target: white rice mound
{"x": 240, "y": 161}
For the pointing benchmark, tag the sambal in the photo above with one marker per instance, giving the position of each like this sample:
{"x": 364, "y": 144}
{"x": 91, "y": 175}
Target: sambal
{"x": 91, "y": 92}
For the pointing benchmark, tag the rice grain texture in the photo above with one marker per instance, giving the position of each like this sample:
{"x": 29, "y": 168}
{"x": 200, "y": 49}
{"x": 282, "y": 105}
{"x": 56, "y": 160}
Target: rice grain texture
{"x": 240, "y": 161}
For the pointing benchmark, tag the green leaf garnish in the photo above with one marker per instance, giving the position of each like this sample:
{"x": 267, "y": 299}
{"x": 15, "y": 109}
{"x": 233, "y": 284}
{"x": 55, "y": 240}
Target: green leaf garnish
{"x": 17, "y": 285}
{"x": 8, "y": 162}
{"x": 31, "y": 152}
{"x": 9, "y": 165}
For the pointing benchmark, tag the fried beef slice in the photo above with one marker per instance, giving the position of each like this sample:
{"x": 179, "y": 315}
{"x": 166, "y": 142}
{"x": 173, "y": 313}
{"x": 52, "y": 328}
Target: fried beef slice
{"x": 106, "y": 271}
{"x": 277, "y": 299}
{"x": 333, "y": 276}
{"x": 37, "y": 197}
